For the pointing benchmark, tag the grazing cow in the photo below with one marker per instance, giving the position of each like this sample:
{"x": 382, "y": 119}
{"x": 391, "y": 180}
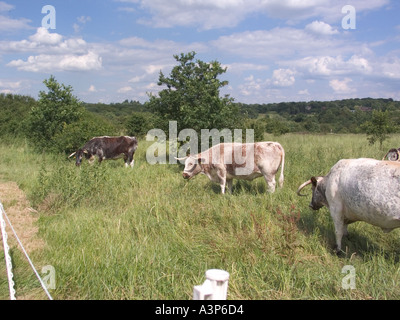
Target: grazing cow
{"x": 359, "y": 190}
{"x": 108, "y": 148}
{"x": 225, "y": 161}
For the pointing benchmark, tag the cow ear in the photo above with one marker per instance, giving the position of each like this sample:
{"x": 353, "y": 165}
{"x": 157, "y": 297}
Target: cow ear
{"x": 314, "y": 181}
{"x": 201, "y": 160}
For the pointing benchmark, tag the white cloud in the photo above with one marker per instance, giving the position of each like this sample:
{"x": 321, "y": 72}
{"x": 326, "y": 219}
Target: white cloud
{"x": 283, "y": 77}
{"x": 207, "y": 14}
{"x": 53, "y": 53}
{"x": 44, "y": 37}
{"x": 45, "y": 42}
{"x": 304, "y": 92}
{"x": 125, "y": 89}
{"x": 92, "y": 88}
{"x": 239, "y": 67}
{"x": 7, "y": 86}
{"x": 321, "y": 28}
{"x": 211, "y": 14}
{"x": 280, "y": 43}
{"x": 341, "y": 86}
{"x": 9, "y": 24}
{"x": 5, "y": 6}
{"x": 251, "y": 86}
{"x": 330, "y": 66}
{"x": 10, "y": 84}
{"x": 52, "y": 63}
{"x": 391, "y": 67}
{"x": 82, "y": 20}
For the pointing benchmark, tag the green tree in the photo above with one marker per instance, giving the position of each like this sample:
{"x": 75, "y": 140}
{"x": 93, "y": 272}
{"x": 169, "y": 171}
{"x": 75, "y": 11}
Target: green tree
{"x": 139, "y": 123}
{"x": 378, "y": 128}
{"x": 192, "y": 97}
{"x": 54, "y": 110}
{"x": 13, "y": 111}
{"x": 77, "y": 133}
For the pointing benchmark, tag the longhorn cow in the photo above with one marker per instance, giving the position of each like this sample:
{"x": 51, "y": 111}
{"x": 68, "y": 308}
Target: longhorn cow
{"x": 358, "y": 190}
{"x": 226, "y": 161}
{"x": 108, "y": 148}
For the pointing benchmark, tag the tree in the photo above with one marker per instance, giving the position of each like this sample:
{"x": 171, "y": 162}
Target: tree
{"x": 192, "y": 97}
{"x": 54, "y": 110}
{"x": 13, "y": 111}
{"x": 77, "y": 133}
{"x": 139, "y": 123}
{"x": 378, "y": 128}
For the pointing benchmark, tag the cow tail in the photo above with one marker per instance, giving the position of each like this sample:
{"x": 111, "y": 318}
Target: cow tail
{"x": 281, "y": 178}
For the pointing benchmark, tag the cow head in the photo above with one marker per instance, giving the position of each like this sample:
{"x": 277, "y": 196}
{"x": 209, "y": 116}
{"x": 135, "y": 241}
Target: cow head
{"x": 79, "y": 155}
{"x": 192, "y": 166}
{"x": 318, "y": 199}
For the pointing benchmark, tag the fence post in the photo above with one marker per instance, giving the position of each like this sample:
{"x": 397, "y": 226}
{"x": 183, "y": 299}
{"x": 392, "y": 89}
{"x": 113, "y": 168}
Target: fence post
{"x": 215, "y": 287}
{"x": 7, "y": 255}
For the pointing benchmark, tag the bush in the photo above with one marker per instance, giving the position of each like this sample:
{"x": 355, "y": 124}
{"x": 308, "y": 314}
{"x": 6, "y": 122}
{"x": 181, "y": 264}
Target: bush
{"x": 76, "y": 134}
{"x": 54, "y": 110}
{"x": 139, "y": 123}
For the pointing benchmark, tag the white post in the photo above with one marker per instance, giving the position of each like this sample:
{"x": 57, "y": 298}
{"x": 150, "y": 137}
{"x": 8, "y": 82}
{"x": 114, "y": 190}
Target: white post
{"x": 214, "y": 288}
{"x": 7, "y": 255}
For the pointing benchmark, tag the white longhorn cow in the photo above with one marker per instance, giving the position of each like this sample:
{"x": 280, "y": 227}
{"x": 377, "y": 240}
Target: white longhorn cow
{"x": 358, "y": 190}
{"x": 226, "y": 161}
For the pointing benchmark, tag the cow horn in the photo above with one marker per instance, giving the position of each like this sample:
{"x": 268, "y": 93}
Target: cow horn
{"x": 180, "y": 159}
{"x": 72, "y": 154}
{"x": 301, "y": 188}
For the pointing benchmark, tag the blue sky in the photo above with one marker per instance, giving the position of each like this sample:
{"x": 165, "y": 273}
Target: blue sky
{"x": 274, "y": 50}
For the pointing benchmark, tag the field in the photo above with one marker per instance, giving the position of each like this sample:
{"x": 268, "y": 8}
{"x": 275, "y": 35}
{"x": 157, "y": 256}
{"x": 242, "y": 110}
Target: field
{"x": 146, "y": 233}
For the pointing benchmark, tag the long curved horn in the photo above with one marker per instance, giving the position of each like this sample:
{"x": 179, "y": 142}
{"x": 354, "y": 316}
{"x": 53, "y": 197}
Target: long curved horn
{"x": 72, "y": 154}
{"x": 301, "y": 188}
{"x": 181, "y": 159}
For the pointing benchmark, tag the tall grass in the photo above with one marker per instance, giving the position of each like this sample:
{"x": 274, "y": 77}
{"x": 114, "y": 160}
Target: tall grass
{"x": 146, "y": 233}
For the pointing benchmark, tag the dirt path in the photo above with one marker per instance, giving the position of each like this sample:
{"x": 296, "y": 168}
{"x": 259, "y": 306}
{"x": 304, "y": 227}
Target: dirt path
{"x": 24, "y": 221}
{"x": 22, "y": 217}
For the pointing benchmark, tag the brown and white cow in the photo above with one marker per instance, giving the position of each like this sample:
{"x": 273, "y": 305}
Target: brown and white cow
{"x": 108, "y": 148}
{"x": 227, "y": 161}
{"x": 358, "y": 190}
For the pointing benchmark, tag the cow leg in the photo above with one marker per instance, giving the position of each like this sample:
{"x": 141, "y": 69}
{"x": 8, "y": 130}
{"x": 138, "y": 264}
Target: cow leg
{"x": 91, "y": 160}
{"x": 129, "y": 161}
{"x": 340, "y": 229}
{"x": 222, "y": 184}
{"x": 270, "y": 179}
{"x": 222, "y": 179}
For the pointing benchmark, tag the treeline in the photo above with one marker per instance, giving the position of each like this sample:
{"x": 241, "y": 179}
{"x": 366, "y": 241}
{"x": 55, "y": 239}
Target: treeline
{"x": 340, "y": 116}
{"x": 135, "y": 118}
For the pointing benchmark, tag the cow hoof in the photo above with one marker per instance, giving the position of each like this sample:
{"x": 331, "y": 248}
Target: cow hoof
{"x": 339, "y": 252}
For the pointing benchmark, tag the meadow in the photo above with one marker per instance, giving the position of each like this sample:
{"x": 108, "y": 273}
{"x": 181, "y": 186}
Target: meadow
{"x": 146, "y": 233}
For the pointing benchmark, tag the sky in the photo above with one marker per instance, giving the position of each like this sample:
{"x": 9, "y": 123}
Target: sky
{"x": 274, "y": 50}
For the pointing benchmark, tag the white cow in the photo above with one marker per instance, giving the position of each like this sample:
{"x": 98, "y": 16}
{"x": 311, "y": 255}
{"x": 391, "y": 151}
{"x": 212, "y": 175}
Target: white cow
{"x": 359, "y": 190}
{"x": 226, "y": 161}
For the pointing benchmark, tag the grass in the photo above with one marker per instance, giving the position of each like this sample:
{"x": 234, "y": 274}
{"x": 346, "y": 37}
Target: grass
{"x": 146, "y": 233}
